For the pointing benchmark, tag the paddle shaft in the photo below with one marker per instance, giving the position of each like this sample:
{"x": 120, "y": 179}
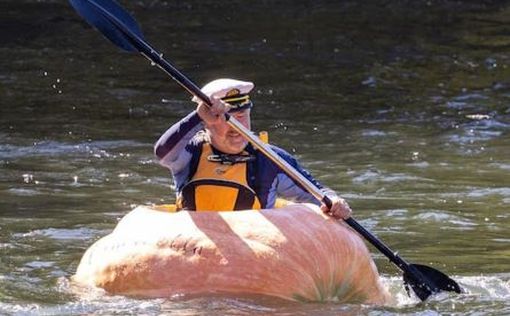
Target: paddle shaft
{"x": 393, "y": 256}
{"x": 157, "y": 58}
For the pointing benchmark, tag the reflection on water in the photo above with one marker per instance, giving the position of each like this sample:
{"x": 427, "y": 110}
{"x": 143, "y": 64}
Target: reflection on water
{"x": 402, "y": 107}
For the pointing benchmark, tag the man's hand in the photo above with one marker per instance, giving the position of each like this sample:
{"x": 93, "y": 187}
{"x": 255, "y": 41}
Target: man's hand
{"x": 214, "y": 114}
{"x": 339, "y": 208}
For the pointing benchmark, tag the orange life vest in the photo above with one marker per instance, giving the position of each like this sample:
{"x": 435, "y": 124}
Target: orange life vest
{"x": 217, "y": 186}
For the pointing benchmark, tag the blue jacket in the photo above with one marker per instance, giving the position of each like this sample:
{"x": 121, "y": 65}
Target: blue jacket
{"x": 180, "y": 146}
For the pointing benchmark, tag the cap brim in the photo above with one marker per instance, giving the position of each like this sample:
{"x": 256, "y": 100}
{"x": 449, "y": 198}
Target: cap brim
{"x": 241, "y": 108}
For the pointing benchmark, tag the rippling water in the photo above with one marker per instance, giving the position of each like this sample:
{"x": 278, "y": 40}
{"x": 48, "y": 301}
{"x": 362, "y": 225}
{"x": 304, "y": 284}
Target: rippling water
{"x": 401, "y": 107}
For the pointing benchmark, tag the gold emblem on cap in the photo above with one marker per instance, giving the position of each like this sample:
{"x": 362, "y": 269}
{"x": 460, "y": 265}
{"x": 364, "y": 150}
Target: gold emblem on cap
{"x": 233, "y": 92}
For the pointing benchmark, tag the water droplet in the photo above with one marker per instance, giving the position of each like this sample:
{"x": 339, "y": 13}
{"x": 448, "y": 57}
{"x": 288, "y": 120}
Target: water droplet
{"x": 27, "y": 177}
{"x": 371, "y": 81}
{"x": 58, "y": 80}
{"x": 153, "y": 63}
{"x": 490, "y": 63}
{"x": 45, "y": 73}
{"x": 75, "y": 179}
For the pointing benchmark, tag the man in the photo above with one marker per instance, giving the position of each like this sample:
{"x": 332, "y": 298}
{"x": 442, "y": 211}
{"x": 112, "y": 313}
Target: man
{"x": 215, "y": 168}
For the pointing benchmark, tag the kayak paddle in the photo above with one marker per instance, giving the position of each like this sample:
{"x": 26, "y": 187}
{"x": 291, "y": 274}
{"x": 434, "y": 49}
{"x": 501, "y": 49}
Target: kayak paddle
{"x": 121, "y": 28}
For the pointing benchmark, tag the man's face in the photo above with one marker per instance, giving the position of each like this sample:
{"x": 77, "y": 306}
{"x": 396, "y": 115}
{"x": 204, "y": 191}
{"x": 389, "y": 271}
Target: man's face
{"x": 225, "y": 138}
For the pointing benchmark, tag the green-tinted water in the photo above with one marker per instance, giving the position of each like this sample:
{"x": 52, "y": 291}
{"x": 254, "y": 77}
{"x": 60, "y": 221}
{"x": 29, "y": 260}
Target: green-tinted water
{"x": 401, "y": 107}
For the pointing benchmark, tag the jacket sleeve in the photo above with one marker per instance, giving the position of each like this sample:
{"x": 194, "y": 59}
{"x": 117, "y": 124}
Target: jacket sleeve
{"x": 171, "y": 148}
{"x": 289, "y": 189}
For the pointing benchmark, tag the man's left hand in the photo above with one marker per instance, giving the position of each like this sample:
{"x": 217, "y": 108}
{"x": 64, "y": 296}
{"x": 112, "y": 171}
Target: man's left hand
{"x": 339, "y": 208}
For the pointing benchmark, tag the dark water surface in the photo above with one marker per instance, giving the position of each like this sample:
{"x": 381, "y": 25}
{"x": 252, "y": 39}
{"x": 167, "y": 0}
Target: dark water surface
{"x": 400, "y": 106}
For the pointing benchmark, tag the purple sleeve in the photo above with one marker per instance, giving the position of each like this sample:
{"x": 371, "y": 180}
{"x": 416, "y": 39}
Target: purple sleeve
{"x": 172, "y": 143}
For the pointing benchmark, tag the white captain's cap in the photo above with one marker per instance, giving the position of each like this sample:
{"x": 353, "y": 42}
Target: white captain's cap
{"x": 234, "y": 92}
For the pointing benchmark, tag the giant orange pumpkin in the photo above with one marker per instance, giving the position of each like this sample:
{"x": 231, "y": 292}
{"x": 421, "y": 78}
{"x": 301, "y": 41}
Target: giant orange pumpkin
{"x": 294, "y": 253}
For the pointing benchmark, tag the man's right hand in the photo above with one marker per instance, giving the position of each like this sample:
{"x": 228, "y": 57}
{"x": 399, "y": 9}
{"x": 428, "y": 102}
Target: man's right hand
{"x": 214, "y": 114}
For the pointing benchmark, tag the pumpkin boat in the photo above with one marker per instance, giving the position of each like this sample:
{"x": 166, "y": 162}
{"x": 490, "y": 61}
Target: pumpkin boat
{"x": 294, "y": 252}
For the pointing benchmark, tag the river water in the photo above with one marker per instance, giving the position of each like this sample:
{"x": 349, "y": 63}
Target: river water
{"x": 400, "y": 106}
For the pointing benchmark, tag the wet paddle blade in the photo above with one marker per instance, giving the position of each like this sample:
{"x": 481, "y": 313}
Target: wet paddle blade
{"x": 111, "y": 20}
{"x": 434, "y": 282}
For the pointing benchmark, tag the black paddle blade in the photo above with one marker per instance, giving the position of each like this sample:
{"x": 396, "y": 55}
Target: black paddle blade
{"x": 111, "y": 20}
{"x": 433, "y": 281}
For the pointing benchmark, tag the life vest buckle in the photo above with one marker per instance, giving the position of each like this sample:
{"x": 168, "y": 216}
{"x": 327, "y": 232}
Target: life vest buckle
{"x": 226, "y": 159}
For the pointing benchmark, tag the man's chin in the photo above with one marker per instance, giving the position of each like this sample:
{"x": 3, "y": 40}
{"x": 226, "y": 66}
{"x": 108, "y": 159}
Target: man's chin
{"x": 237, "y": 147}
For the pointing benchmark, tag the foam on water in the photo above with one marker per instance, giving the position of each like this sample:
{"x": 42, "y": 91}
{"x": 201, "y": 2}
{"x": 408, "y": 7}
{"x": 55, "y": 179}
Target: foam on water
{"x": 444, "y": 218}
{"x": 54, "y": 148}
{"x": 64, "y": 234}
{"x": 493, "y": 289}
{"x": 477, "y": 193}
